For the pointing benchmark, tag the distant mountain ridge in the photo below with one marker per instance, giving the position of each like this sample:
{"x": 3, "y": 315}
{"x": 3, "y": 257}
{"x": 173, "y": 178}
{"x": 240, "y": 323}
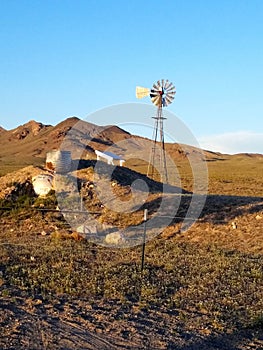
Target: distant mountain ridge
{"x": 30, "y": 128}
{"x": 28, "y": 144}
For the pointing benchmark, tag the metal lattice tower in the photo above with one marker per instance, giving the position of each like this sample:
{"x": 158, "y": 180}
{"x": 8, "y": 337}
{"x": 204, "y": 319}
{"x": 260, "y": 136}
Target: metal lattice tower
{"x": 162, "y": 93}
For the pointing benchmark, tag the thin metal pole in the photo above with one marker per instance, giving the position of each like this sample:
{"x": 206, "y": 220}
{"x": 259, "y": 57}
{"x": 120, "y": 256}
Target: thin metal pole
{"x": 81, "y": 197}
{"x": 144, "y": 239}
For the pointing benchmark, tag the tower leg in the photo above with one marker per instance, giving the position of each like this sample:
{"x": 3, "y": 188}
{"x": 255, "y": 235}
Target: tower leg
{"x": 158, "y": 151}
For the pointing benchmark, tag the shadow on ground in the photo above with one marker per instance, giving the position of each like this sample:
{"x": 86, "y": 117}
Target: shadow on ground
{"x": 124, "y": 176}
{"x": 217, "y": 209}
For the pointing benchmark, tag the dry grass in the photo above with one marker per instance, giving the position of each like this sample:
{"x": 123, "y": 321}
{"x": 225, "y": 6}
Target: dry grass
{"x": 205, "y": 282}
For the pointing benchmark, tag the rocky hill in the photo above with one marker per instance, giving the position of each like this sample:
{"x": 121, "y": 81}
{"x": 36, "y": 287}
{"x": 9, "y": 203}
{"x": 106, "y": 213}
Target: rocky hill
{"x": 28, "y": 143}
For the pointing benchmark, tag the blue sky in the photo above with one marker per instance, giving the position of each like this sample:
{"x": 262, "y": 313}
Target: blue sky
{"x": 60, "y": 58}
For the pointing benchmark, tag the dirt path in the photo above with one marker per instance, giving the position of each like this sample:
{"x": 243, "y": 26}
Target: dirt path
{"x": 27, "y": 327}
{"x": 37, "y": 324}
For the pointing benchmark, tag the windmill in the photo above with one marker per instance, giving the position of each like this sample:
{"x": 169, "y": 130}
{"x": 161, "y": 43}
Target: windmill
{"x": 162, "y": 94}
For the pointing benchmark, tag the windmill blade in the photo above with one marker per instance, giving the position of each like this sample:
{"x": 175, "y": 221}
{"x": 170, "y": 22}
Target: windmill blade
{"x": 158, "y": 84}
{"x": 154, "y": 93}
{"x": 171, "y": 88}
{"x": 168, "y": 99}
{"x": 156, "y": 87}
{"x": 142, "y": 92}
{"x": 162, "y": 83}
{"x": 167, "y": 84}
{"x": 157, "y": 100}
{"x": 171, "y": 92}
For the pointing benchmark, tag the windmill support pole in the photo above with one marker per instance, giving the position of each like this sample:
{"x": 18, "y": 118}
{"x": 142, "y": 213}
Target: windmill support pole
{"x": 151, "y": 164}
{"x": 158, "y": 132}
{"x": 163, "y": 165}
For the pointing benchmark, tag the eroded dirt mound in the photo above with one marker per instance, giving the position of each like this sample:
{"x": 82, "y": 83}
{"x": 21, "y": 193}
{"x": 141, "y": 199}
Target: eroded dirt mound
{"x": 18, "y": 182}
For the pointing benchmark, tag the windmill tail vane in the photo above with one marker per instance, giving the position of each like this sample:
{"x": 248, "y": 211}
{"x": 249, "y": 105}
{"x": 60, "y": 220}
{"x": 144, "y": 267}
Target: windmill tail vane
{"x": 142, "y": 92}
